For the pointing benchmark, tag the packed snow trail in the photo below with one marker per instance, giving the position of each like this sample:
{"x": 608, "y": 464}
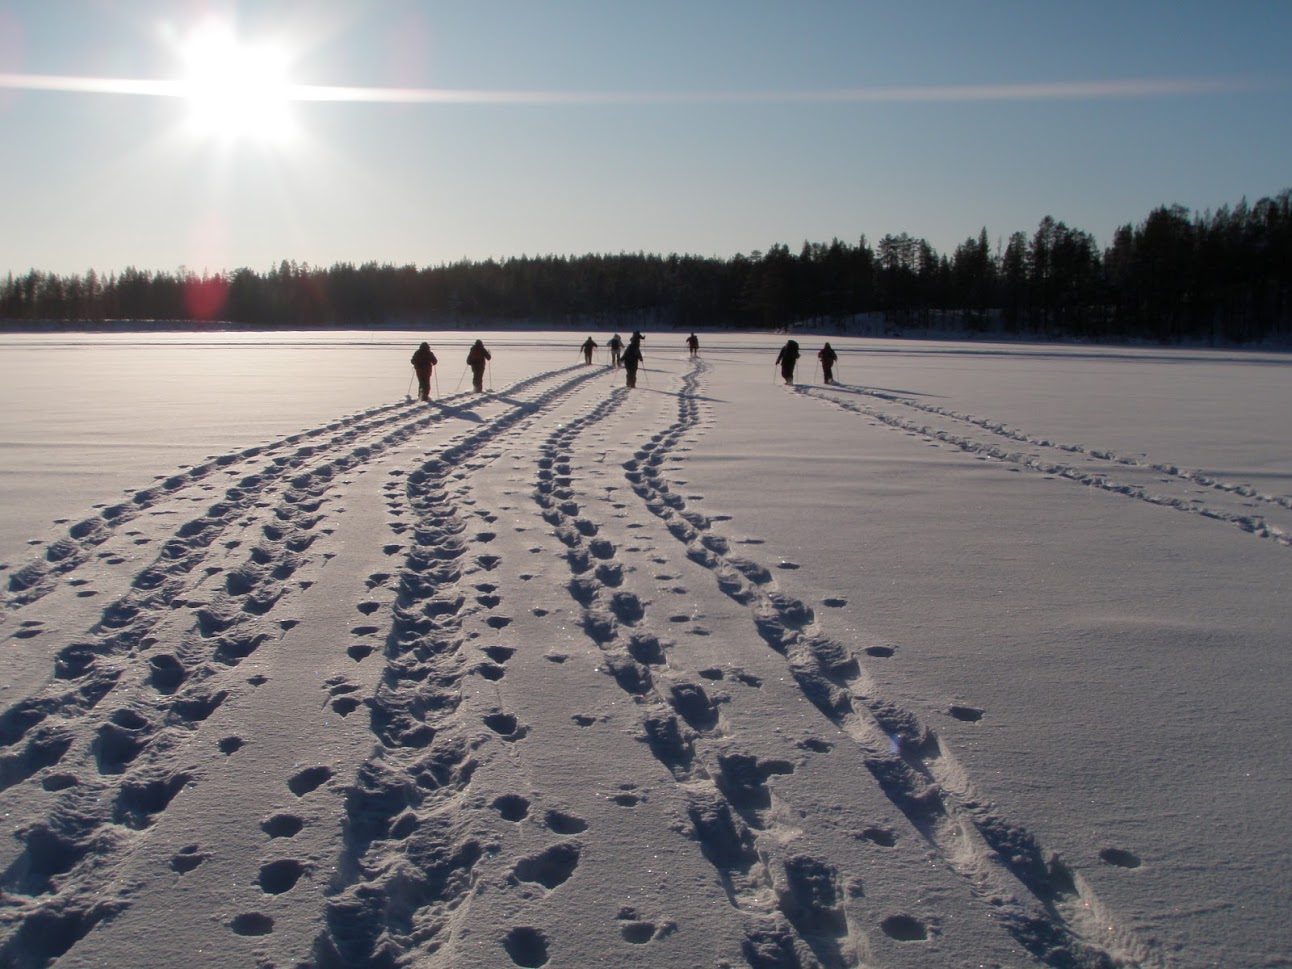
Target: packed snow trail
{"x": 1032, "y": 892}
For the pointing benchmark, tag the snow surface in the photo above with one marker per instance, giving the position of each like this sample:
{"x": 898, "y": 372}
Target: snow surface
{"x": 978, "y": 658}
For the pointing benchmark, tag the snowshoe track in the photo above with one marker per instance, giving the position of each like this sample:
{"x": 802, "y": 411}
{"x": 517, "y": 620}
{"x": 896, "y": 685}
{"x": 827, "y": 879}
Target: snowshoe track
{"x": 428, "y": 867}
{"x": 1267, "y": 516}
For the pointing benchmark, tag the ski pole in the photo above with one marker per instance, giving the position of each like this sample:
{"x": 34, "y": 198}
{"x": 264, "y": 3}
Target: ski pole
{"x": 489, "y": 364}
{"x": 409, "y": 391}
{"x": 437, "y": 381}
{"x": 464, "y": 373}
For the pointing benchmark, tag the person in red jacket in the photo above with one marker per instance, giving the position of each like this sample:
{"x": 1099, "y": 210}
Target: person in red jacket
{"x": 477, "y": 358}
{"x": 423, "y": 362}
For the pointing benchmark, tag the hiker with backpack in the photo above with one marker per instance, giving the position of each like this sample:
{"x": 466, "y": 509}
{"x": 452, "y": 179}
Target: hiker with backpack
{"x": 632, "y": 360}
{"x": 477, "y": 358}
{"x": 828, "y": 359}
{"x": 423, "y": 362}
{"x": 787, "y": 358}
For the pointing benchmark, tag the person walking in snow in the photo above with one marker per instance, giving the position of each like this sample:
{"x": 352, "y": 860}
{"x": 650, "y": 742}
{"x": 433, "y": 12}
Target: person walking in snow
{"x": 616, "y": 346}
{"x": 693, "y": 344}
{"x": 632, "y": 360}
{"x": 423, "y": 362}
{"x": 828, "y": 358}
{"x": 787, "y": 358}
{"x": 588, "y": 346}
{"x": 477, "y": 358}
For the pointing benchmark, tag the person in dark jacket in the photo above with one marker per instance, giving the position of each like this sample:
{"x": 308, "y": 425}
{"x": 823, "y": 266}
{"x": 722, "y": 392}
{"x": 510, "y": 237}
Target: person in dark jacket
{"x": 423, "y": 362}
{"x": 828, "y": 358}
{"x": 588, "y": 346}
{"x": 477, "y": 357}
{"x": 632, "y": 360}
{"x": 616, "y": 346}
{"x": 787, "y": 358}
{"x": 693, "y": 344}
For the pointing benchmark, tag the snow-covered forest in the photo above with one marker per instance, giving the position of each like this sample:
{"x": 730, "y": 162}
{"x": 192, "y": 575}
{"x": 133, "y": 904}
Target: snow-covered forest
{"x": 1177, "y": 276}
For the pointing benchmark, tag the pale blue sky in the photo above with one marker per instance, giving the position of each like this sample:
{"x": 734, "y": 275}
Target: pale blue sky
{"x": 670, "y": 126}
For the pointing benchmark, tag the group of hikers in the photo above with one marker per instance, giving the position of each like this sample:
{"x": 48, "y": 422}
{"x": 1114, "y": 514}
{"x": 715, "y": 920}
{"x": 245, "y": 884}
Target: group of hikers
{"x": 789, "y": 356}
{"x": 630, "y": 358}
{"x": 424, "y": 361}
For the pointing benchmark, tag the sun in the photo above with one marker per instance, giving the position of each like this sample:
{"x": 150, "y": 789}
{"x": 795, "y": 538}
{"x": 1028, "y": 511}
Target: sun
{"x": 235, "y": 89}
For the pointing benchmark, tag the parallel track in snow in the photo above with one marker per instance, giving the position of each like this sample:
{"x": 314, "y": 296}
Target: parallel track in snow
{"x": 1263, "y": 515}
{"x": 93, "y": 759}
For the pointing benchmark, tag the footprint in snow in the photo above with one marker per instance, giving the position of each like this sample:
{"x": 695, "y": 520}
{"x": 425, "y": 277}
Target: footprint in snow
{"x": 815, "y": 745}
{"x": 904, "y": 928}
{"x": 279, "y": 877}
{"x": 512, "y": 807}
{"x": 527, "y": 946}
{"x": 345, "y": 705}
{"x": 550, "y": 868}
{"x": 506, "y": 726}
{"x": 282, "y": 825}
{"x": 560, "y": 822}
{"x": 638, "y": 933}
{"x": 1119, "y": 858}
{"x": 884, "y": 837}
{"x": 310, "y": 779}
{"x": 187, "y": 858}
{"x": 252, "y": 923}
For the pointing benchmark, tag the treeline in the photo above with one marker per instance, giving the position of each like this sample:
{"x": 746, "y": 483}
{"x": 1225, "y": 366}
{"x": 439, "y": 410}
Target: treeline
{"x": 1177, "y": 276}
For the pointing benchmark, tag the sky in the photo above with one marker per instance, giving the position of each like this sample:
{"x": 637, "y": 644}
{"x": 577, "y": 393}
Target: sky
{"x": 216, "y": 135}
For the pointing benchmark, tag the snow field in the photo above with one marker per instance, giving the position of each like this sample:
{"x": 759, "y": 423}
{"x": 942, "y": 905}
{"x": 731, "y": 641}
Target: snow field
{"x": 713, "y": 672}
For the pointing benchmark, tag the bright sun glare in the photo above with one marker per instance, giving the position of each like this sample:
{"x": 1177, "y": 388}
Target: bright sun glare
{"x": 235, "y": 89}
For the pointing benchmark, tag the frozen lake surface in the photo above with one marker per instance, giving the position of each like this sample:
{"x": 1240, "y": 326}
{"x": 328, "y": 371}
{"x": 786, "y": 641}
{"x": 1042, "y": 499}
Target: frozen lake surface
{"x": 979, "y": 656}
